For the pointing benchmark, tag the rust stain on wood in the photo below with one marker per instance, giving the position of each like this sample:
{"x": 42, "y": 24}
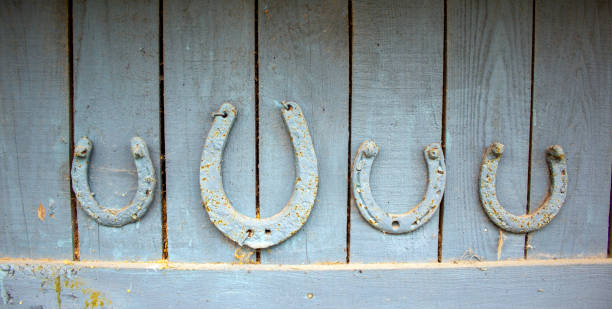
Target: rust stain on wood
{"x": 41, "y": 212}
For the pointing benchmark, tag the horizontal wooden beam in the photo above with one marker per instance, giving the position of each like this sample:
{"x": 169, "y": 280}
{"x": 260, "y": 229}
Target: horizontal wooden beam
{"x": 558, "y": 283}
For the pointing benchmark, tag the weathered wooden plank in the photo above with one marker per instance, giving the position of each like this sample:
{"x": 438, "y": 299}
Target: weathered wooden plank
{"x": 488, "y": 100}
{"x": 208, "y": 51}
{"x": 34, "y": 130}
{"x": 303, "y": 57}
{"x": 116, "y": 97}
{"x": 571, "y": 106}
{"x": 397, "y": 102}
{"x": 486, "y": 285}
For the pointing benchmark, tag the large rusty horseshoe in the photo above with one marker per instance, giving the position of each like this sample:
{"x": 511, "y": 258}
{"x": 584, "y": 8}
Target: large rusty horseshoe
{"x": 557, "y": 165}
{"x": 253, "y": 232}
{"x": 415, "y": 217}
{"x": 116, "y": 217}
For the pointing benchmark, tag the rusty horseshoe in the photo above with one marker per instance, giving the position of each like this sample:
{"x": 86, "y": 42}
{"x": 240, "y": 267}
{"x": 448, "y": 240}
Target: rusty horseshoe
{"x": 140, "y": 202}
{"x": 254, "y": 232}
{"x": 557, "y": 165}
{"x": 415, "y": 217}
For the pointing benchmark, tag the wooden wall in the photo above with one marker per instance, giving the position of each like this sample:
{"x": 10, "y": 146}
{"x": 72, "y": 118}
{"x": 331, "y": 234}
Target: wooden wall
{"x": 527, "y": 73}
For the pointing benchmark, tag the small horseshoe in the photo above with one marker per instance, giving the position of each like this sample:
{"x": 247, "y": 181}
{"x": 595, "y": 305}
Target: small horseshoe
{"x": 253, "y": 232}
{"x": 142, "y": 199}
{"x": 540, "y": 217}
{"x": 415, "y": 217}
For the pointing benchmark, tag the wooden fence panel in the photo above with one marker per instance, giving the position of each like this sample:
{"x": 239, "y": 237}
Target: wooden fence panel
{"x": 303, "y": 57}
{"x": 208, "y": 60}
{"x": 35, "y": 219}
{"x": 572, "y": 107}
{"x": 116, "y": 97}
{"x": 397, "y": 102}
{"x": 488, "y": 100}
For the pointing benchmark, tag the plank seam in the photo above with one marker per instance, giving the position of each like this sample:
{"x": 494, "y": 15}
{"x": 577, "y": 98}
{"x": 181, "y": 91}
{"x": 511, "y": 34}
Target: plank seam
{"x": 443, "y": 134}
{"x": 531, "y": 124}
{"x": 350, "y": 112}
{"x": 162, "y": 134}
{"x": 610, "y": 218}
{"x": 256, "y": 80}
{"x": 73, "y": 204}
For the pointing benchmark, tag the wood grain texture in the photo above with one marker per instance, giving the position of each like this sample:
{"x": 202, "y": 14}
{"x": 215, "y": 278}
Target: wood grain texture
{"x": 572, "y": 108}
{"x": 208, "y": 51}
{"x": 471, "y": 286}
{"x": 116, "y": 97}
{"x": 34, "y": 130}
{"x": 397, "y": 102}
{"x": 488, "y": 100}
{"x": 303, "y": 57}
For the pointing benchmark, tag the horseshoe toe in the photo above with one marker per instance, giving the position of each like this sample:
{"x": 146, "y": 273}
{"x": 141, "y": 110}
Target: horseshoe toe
{"x": 415, "y": 217}
{"x": 540, "y": 217}
{"x": 253, "y": 232}
{"x": 115, "y": 217}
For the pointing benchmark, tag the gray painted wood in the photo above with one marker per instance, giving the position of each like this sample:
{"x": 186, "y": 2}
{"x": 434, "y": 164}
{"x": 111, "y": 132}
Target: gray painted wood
{"x": 397, "y": 102}
{"x": 571, "y": 106}
{"x": 116, "y": 97}
{"x": 303, "y": 57}
{"x": 208, "y": 60}
{"x": 488, "y": 100}
{"x": 472, "y": 286}
{"x": 34, "y": 130}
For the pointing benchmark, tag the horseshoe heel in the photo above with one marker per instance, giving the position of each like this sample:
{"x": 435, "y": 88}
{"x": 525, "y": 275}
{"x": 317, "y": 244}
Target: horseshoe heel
{"x": 415, "y": 217}
{"x": 253, "y": 232}
{"x": 119, "y": 216}
{"x": 557, "y": 165}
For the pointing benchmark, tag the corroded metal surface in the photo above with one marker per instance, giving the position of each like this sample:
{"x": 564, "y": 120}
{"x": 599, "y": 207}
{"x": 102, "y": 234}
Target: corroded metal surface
{"x": 119, "y": 216}
{"x": 415, "y": 217}
{"x": 557, "y": 165}
{"x": 254, "y": 232}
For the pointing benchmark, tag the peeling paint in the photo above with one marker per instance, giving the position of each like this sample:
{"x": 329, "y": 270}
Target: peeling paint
{"x": 4, "y": 270}
{"x": 57, "y": 283}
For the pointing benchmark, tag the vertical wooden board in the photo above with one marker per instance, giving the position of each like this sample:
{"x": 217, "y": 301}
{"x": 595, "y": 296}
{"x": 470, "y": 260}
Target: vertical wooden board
{"x": 488, "y": 100}
{"x": 208, "y": 52}
{"x": 572, "y": 91}
{"x": 303, "y": 57}
{"x": 34, "y": 130}
{"x": 397, "y": 102}
{"x": 116, "y": 97}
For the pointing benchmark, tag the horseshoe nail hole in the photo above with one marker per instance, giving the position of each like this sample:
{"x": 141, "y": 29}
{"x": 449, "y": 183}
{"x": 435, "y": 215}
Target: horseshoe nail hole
{"x": 268, "y": 232}
{"x": 288, "y": 107}
{"x": 249, "y": 233}
{"x": 563, "y": 172}
{"x": 440, "y": 172}
{"x": 438, "y": 192}
{"x": 395, "y": 225}
{"x": 224, "y": 115}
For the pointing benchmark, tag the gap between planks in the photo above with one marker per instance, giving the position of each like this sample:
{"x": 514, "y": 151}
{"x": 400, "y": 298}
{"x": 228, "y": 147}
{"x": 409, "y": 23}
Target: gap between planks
{"x": 350, "y": 114}
{"x": 73, "y": 203}
{"x": 443, "y": 134}
{"x": 533, "y": 20}
{"x": 256, "y": 90}
{"x": 162, "y": 135}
